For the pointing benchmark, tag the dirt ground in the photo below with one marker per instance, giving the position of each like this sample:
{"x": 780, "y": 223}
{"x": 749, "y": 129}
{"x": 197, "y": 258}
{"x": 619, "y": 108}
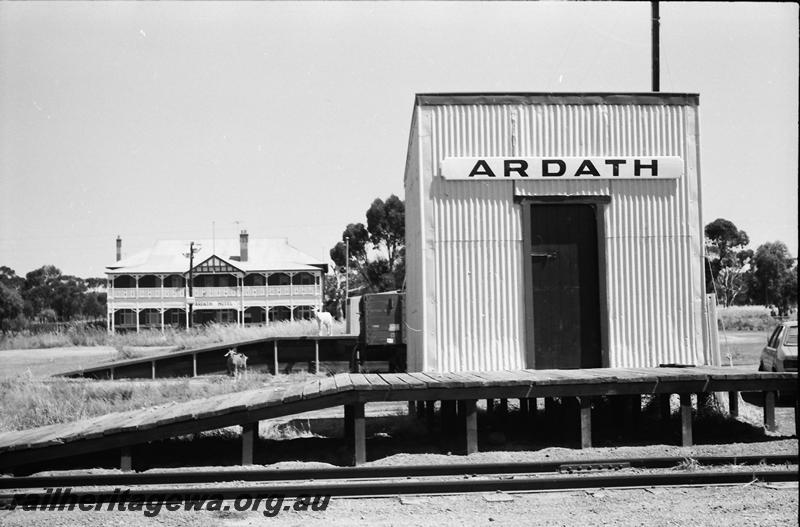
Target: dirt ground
{"x": 754, "y": 504}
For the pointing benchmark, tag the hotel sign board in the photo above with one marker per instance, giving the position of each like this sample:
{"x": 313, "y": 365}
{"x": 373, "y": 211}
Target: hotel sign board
{"x": 216, "y": 304}
{"x": 561, "y": 168}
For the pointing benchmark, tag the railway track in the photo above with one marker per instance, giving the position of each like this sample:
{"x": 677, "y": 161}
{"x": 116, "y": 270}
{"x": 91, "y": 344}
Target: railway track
{"x": 424, "y": 479}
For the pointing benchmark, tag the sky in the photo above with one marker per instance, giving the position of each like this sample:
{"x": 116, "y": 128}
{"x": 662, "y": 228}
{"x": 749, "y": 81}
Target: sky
{"x": 173, "y": 120}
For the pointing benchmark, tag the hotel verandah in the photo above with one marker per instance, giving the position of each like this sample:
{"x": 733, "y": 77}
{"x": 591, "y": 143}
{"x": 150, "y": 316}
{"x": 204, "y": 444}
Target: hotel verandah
{"x": 249, "y": 282}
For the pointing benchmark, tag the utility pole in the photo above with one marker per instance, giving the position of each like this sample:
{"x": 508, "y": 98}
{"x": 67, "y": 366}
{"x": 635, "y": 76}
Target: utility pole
{"x": 654, "y": 25}
{"x": 347, "y": 275}
{"x": 190, "y": 299}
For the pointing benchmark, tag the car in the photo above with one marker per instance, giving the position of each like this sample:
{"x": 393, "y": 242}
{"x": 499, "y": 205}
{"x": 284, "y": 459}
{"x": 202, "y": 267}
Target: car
{"x": 780, "y": 353}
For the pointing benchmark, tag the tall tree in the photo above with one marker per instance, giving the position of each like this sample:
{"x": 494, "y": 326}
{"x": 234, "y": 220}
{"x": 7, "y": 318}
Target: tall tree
{"x": 728, "y": 259}
{"x": 377, "y": 250}
{"x": 46, "y": 288}
{"x": 774, "y": 276}
{"x": 11, "y": 306}
{"x": 37, "y": 290}
{"x": 386, "y": 223}
{"x": 9, "y": 278}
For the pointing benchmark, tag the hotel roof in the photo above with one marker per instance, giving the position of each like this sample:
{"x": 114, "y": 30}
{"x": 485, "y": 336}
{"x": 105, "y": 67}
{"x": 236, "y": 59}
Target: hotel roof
{"x": 171, "y": 256}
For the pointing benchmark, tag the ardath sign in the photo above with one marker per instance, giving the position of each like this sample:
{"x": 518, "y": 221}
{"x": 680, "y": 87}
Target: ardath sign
{"x": 563, "y": 168}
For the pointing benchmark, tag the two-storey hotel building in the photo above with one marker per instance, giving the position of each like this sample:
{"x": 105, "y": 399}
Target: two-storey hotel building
{"x": 232, "y": 281}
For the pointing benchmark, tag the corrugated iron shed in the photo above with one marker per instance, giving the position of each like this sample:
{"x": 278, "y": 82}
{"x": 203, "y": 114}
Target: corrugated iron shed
{"x": 465, "y": 252}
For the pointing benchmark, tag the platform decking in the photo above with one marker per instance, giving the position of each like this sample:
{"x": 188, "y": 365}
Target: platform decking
{"x": 266, "y": 353}
{"x": 123, "y": 429}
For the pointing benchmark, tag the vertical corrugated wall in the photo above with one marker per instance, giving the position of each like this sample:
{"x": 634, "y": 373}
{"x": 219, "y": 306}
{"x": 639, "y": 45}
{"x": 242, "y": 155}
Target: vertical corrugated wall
{"x": 477, "y": 243}
{"x": 651, "y": 228}
{"x": 415, "y": 303}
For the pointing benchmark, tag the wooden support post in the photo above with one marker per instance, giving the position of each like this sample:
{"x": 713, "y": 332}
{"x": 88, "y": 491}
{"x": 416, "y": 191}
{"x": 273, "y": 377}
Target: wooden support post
{"x": 631, "y": 411}
{"x": 624, "y": 410}
{"x": 586, "y": 421}
{"x": 664, "y": 406}
{"x": 358, "y": 435}
{"x": 194, "y": 364}
{"x": 112, "y": 374}
{"x": 448, "y": 416}
{"x": 420, "y": 409}
{"x": 503, "y": 408}
{"x": 412, "y": 408}
{"x": 733, "y": 404}
{"x": 769, "y": 411}
{"x": 533, "y": 408}
{"x": 470, "y": 408}
{"x": 316, "y": 356}
{"x": 348, "y": 423}
{"x": 249, "y": 438}
{"x": 125, "y": 459}
{"x": 636, "y": 409}
{"x": 489, "y": 407}
{"x": 275, "y": 356}
{"x": 686, "y": 419}
{"x": 523, "y": 407}
{"x": 153, "y": 369}
{"x": 430, "y": 410}
{"x": 532, "y": 414}
{"x": 549, "y": 415}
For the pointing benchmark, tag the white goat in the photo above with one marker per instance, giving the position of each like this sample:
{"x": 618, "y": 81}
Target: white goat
{"x": 236, "y": 361}
{"x": 324, "y": 319}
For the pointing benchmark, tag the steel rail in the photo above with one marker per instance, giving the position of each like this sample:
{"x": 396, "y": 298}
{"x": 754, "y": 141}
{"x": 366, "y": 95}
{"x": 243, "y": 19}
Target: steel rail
{"x": 406, "y": 486}
{"x": 378, "y": 472}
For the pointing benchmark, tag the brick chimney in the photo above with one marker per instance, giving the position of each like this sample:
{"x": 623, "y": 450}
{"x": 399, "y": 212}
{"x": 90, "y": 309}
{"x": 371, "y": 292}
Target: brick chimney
{"x": 119, "y": 248}
{"x": 243, "y": 246}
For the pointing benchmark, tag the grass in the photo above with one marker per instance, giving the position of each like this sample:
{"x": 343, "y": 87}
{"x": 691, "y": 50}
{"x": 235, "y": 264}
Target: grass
{"x": 742, "y": 348}
{"x": 27, "y": 401}
{"x": 178, "y": 338}
{"x": 745, "y": 318}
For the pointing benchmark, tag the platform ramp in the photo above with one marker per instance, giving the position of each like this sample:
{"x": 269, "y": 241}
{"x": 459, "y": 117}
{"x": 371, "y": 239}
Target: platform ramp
{"x": 247, "y": 408}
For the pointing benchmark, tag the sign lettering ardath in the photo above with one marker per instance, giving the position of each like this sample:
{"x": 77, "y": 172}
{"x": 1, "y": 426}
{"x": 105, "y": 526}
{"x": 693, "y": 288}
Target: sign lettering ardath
{"x": 563, "y": 168}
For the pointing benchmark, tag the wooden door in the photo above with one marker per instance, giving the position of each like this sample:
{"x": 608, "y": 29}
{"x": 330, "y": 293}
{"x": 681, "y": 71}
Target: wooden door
{"x": 565, "y": 286}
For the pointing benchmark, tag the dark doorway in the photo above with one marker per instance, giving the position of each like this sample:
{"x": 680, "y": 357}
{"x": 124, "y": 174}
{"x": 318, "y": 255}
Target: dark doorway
{"x": 565, "y": 287}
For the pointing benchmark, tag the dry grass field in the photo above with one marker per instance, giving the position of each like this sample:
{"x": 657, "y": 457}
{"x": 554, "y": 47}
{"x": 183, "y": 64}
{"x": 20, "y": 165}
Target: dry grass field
{"x": 170, "y": 337}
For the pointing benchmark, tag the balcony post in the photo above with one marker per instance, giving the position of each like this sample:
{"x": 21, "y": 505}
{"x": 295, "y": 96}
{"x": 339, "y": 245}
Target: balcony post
{"x": 136, "y": 279}
{"x": 291, "y": 296}
{"x": 241, "y": 300}
{"x": 161, "y": 278}
{"x": 321, "y": 288}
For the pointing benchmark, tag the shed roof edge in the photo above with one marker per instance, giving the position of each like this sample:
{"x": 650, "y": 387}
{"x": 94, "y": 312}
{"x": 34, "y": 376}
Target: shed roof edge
{"x": 644, "y": 98}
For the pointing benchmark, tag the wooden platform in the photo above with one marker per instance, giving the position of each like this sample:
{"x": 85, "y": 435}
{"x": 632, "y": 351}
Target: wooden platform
{"x": 275, "y": 354}
{"x": 120, "y": 430}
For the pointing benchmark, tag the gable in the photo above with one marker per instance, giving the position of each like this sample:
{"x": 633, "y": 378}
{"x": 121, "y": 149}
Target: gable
{"x": 215, "y": 265}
